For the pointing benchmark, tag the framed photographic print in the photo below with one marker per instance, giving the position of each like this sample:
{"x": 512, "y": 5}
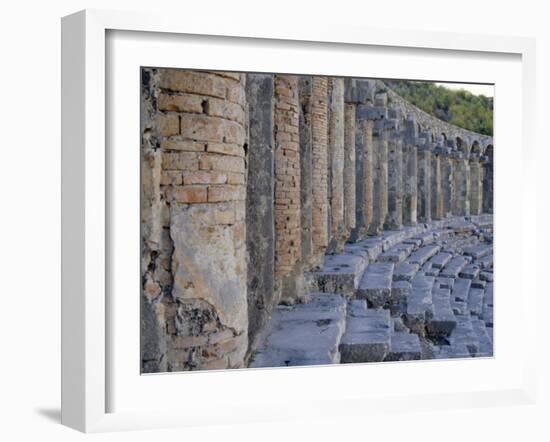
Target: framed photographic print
{"x": 263, "y": 219}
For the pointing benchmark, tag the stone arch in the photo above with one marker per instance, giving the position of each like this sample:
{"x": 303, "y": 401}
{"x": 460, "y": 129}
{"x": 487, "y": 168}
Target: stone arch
{"x": 489, "y": 151}
{"x": 461, "y": 145}
{"x": 476, "y": 147}
{"x": 444, "y": 135}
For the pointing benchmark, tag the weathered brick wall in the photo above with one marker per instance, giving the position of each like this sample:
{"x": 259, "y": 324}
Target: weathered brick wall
{"x": 196, "y": 271}
{"x": 319, "y": 133}
{"x": 287, "y": 188}
{"x": 248, "y": 180}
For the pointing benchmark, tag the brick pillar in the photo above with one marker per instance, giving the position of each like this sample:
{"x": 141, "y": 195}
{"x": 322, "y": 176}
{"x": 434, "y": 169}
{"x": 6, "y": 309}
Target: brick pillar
{"x": 476, "y": 188}
{"x": 260, "y": 218}
{"x": 424, "y": 184}
{"x": 349, "y": 168}
{"x": 437, "y": 190}
{"x": 364, "y": 176}
{"x": 336, "y": 149}
{"x": 288, "y": 248}
{"x": 319, "y": 134}
{"x": 306, "y": 167}
{"x": 200, "y": 130}
{"x": 394, "y": 219}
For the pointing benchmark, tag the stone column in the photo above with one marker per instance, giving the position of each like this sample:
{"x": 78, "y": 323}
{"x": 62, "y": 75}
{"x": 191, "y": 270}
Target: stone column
{"x": 380, "y": 177}
{"x": 447, "y": 182}
{"x": 424, "y": 184}
{"x": 336, "y": 149}
{"x": 288, "y": 247}
{"x": 201, "y": 134}
{"x": 364, "y": 177}
{"x": 461, "y": 183}
{"x": 487, "y": 162}
{"x": 260, "y": 221}
{"x": 476, "y": 188}
{"x": 306, "y": 167}
{"x": 319, "y": 133}
{"x": 394, "y": 219}
{"x": 437, "y": 186}
{"x": 349, "y": 168}
{"x": 410, "y": 173}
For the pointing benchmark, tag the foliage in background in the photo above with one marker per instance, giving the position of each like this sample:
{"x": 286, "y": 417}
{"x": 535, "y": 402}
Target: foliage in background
{"x": 458, "y": 107}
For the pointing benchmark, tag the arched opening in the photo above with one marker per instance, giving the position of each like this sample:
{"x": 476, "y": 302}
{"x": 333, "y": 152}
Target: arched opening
{"x": 461, "y": 145}
{"x": 476, "y": 147}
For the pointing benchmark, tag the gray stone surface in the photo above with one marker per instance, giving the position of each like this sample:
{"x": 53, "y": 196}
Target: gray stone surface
{"x": 367, "y": 336}
{"x": 260, "y": 232}
{"x": 475, "y": 301}
{"x": 404, "y": 346}
{"x": 454, "y": 267}
{"x": 375, "y": 286}
{"x": 471, "y": 271}
{"x": 423, "y": 254}
{"x": 303, "y": 334}
{"x": 405, "y": 271}
{"x": 443, "y": 321}
{"x": 397, "y": 253}
{"x": 441, "y": 259}
{"x": 341, "y": 273}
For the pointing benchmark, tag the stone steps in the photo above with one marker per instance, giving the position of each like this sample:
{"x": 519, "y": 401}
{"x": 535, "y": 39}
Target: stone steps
{"x": 367, "y": 336}
{"x": 423, "y": 254}
{"x": 404, "y": 345}
{"x": 375, "y": 286}
{"x": 416, "y": 293}
{"x": 341, "y": 273}
{"x": 443, "y": 321}
{"x": 453, "y": 268}
{"x": 419, "y": 302}
{"x": 304, "y": 334}
{"x": 471, "y": 271}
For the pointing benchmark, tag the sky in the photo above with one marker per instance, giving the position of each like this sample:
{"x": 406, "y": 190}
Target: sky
{"x": 476, "y": 89}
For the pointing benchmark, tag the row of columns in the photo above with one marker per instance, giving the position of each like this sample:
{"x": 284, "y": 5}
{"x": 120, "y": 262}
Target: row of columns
{"x": 359, "y": 166}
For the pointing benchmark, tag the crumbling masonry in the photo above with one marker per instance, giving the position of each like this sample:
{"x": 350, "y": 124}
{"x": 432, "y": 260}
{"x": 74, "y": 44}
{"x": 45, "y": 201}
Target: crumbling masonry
{"x": 255, "y": 187}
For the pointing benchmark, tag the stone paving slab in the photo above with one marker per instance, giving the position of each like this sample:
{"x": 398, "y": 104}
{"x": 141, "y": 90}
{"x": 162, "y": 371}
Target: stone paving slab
{"x": 373, "y": 247}
{"x": 341, "y": 273}
{"x": 419, "y": 302}
{"x": 404, "y": 346}
{"x": 464, "y": 336}
{"x": 304, "y": 334}
{"x": 397, "y": 253}
{"x": 440, "y": 260}
{"x": 454, "y": 267}
{"x": 486, "y": 262}
{"x": 484, "y": 339}
{"x": 375, "y": 286}
{"x": 475, "y": 301}
{"x": 405, "y": 271}
{"x": 367, "y": 336}
{"x": 471, "y": 271}
{"x": 423, "y": 254}
{"x": 479, "y": 250}
{"x": 443, "y": 321}
{"x": 486, "y": 276}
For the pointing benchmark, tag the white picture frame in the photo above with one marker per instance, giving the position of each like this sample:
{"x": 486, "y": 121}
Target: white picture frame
{"x": 86, "y": 315}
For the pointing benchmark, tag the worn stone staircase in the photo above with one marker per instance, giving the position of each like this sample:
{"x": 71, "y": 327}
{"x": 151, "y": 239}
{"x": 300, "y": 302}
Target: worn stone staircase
{"x": 423, "y": 292}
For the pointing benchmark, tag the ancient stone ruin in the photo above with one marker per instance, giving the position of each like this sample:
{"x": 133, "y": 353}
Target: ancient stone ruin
{"x": 300, "y": 220}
